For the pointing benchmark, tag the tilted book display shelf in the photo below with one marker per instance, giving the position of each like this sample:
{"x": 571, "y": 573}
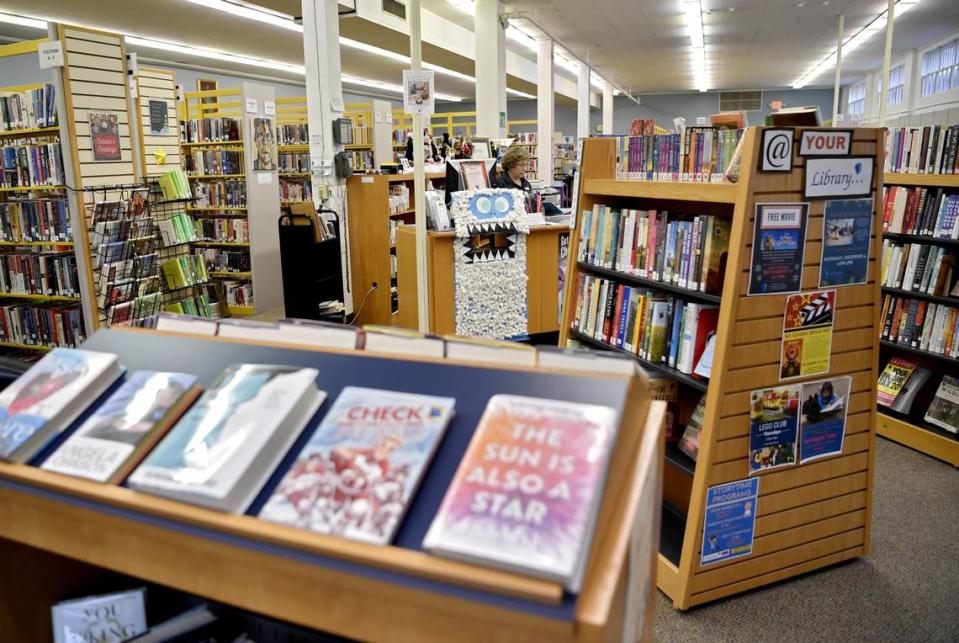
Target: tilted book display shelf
{"x": 808, "y": 516}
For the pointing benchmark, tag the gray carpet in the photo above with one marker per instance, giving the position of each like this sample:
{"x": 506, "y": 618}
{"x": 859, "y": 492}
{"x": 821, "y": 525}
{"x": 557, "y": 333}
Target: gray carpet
{"x": 907, "y": 589}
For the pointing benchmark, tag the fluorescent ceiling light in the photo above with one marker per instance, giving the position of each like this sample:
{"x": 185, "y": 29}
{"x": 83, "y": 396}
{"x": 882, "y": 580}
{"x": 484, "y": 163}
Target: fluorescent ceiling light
{"x": 693, "y": 11}
{"x": 389, "y": 87}
{"x": 521, "y": 38}
{"x": 212, "y": 54}
{"x": 251, "y": 13}
{"x": 877, "y": 25}
{"x": 516, "y": 92}
{"x": 11, "y": 19}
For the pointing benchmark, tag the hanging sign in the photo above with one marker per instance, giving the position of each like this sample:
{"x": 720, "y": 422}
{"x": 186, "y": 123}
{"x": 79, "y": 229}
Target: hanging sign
{"x": 825, "y": 142}
{"x": 51, "y": 54}
{"x": 418, "y": 97}
{"x": 729, "y": 522}
{"x": 776, "y": 154}
{"x": 842, "y": 177}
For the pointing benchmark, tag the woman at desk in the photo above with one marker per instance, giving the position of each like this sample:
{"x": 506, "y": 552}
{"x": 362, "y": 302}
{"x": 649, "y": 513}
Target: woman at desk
{"x": 512, "y": 176}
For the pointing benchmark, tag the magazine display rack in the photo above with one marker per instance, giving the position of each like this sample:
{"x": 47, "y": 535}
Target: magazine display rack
{"x": 349, "y": 588}
{"x": 809, "y": 515}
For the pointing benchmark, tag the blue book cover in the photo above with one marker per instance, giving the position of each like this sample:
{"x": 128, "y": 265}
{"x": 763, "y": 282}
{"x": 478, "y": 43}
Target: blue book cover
{"x": 675, "y": 333}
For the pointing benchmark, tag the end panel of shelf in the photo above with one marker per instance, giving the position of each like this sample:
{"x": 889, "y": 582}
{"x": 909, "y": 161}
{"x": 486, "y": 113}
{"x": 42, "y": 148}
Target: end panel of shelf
{"x": 665, "y": 190}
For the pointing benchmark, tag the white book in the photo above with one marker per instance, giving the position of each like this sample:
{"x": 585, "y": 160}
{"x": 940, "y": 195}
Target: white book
{"x": 306, "y": 332}
{"x": 110, "y": 618}
{"x": 910, "y": 272}
{"x": 395, "y": 341}
{"x": 174, "y": 323}
{"x": 899, "y": 207}
{"x": 927, "y": 326}
{"x": 684, "y": 363}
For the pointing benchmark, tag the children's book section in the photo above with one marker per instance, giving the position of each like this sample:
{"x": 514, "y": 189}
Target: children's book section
{"x": 752, "y": 304}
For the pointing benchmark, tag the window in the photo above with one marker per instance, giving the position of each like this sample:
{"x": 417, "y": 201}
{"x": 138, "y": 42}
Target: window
{"x": 940, "y": 69}
{"x": 856, "y": 104}
{"x": 896, "y": 86}
{"x": 396, "y": 7}
{"x": 736, "y": 101}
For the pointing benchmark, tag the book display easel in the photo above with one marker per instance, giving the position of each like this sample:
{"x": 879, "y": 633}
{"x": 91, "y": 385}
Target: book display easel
{"x": 809, "y": 515}
{"x": 337, "y": 585}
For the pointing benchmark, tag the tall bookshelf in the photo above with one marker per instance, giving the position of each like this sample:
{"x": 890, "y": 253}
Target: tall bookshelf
{"x": 293, "y": 150}
{"x": 808, "y": 516}
{"x": 911, "y": 429}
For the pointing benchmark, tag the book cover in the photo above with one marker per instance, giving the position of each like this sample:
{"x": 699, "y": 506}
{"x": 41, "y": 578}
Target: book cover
{"x": 526, "y": 493}
{"x": 892, "y": 379}
{"x": 689, "y": 442}
{"x": 908, "y": 393}
{"x": 109, "y": 618}
{"x": 359, "y": 470}
{"x": 49, "y": 391}
{"x": 944, "y": 409}
{"x": 104, "y": 444}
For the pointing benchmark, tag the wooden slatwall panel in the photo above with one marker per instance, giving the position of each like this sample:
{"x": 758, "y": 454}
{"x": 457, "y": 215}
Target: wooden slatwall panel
{"x": 158, "y": 84}
{"x": 818, "y": 513}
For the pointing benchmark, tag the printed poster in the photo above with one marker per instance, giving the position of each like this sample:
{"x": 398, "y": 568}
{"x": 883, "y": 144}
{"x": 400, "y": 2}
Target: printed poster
{"x": 418, "y": 95}
{"x": 730, "y": 521}
{"x": 105, "y": 136}
{"x": 807, "y": 334}
{"x": 823, "y": 422}
{"x": 773, "y": 427}
{"x": 563, "y": 259}
{"x": 264, "y": 147}
{"x": 779, "y": 243}
{"x": 847, "y": 226}
{"x": 159, "y": 117}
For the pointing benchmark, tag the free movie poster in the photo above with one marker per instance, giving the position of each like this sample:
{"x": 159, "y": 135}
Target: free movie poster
{"x": 847, "y": 226}
{"x": 779, "y": 243}
{"x": 807, "y": 334}
{"x": 105, "y": 136}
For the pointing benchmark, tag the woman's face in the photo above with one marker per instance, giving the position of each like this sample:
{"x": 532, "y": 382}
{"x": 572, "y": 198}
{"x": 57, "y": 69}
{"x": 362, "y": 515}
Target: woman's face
{"x": 518, "y": 171}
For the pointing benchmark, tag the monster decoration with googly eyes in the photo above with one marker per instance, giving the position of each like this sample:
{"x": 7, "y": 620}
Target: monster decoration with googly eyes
{"x": 489, "y": 273}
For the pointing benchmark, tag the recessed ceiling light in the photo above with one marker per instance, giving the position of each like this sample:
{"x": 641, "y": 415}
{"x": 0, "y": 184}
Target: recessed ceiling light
{"x": 801, "y": 5}
{"x": 732, "y": 10}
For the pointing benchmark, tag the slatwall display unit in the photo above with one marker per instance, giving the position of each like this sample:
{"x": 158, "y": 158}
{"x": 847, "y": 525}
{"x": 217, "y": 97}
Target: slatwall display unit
{"x": 809, "y": 515}
{"x": 911, "y": 429}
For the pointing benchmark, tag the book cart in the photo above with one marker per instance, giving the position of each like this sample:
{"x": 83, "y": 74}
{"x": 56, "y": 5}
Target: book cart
{"x": 353, "y": 589}
{"x": 913, "y": 433}
{"x": 808, "y": 516}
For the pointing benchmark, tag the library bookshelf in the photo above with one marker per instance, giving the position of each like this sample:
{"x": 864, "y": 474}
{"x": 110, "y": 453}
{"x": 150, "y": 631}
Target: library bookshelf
{"x": 396, "y": 592}
{"x": 911, "y": 429}
{"x": 808, "y": 516}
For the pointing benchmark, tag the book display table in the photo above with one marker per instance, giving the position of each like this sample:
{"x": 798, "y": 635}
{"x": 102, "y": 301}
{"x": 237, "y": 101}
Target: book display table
{"x": 397, "y": 592}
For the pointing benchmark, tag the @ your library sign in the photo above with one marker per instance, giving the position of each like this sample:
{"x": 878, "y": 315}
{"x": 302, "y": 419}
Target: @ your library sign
{"x": 847, "y": 177}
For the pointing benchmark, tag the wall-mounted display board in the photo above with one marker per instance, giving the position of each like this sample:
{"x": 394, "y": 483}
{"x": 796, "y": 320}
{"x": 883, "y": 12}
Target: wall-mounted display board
{"x": 782, "y": 480}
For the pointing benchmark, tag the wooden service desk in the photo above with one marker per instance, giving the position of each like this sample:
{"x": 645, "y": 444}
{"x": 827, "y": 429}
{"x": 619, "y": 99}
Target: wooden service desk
{"x": 542, "y": 264}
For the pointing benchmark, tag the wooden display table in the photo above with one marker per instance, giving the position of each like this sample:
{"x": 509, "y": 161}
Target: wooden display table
{"x": 542, "y": 261}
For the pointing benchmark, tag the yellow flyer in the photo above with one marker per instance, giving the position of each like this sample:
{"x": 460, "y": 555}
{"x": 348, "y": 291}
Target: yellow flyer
{"x": 807, "y": 334}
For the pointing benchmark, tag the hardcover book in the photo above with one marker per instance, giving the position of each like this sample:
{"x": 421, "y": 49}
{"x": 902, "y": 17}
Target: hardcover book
{"x": 944, "y": 409}
{"x": 527, "y": 492}
{"x": 47, "y": 398}
{"x": 112, "y": 441}
{"x": 222, "y": 451}
{"x": 110, "y": 618}
{"x": 357, "y": 474}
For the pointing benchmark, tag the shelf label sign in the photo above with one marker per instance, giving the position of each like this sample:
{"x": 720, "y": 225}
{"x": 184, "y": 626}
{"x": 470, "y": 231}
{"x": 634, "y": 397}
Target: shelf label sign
{"x": 777, "y": 150}
{"x": 730, "y": 521}
{"x": 825, "y": 142}
{"x": 51, "y": 54}
{"x": 838, "y": 177}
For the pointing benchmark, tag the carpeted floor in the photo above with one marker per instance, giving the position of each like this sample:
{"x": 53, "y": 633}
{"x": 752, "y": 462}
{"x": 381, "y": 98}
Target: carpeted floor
{"x": 906, "y": 590}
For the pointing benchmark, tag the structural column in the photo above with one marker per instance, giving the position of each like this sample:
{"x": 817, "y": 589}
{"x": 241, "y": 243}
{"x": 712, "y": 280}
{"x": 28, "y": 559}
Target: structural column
{"x": 582, "y": 102}
{"x": 324, "y": 102}
{"x": 545, "y": 108}
{"x": 607, "y": 107}
{"x": 887, "y": 55}
{"x": 490, "y": 56}
{"x": 835, "y": 91}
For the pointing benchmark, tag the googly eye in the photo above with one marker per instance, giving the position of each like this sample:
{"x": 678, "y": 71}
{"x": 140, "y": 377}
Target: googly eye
{"x": 504, "y": 204}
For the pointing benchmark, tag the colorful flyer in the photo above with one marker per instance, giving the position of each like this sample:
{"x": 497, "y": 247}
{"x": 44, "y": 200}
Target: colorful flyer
{"x": 847, "y": 227}
{"x": 730, "y": 521}
{"x": 807, "y": 334}
{"x": 104, "y": 136}
{"x": 779, "y": 243}
{"x": 822, "y": 426}
{"x": 773, "y": 424}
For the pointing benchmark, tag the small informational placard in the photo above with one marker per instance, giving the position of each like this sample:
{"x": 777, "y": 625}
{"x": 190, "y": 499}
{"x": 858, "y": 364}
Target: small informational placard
{"x": 377, "y": 117}
{"x": 729, "y": 521}
{"x": 825, "y": 142}
{"x": 779, "y": 244}
{"x": 418, "y": 95}
{"x": 822, "y": 428}
{"x": 773, "y": 427}
{"x": 51, "y": 54}
{"x": 105, "y": 136}
{"x": 389, "y": 117}
{"x": 159, "y": 117}
{"x": 776, "y": 153}
{"x": 838, "y": 177}
{"x": 252, "y": 106}
{"x": 269, "y": 107}
{"x": 807, "y": 334}
{"x": 264, "y": 178}
{"x": 316, "y": 139}
{"x": 846, "y": 232}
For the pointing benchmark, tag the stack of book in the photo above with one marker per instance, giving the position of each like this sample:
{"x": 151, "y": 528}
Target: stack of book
{"x": 35, "y": 220}
{"x": 232, "y": 230}
{"x": 196, "y": 304}
{"x": 175, "y": 185}
{"x": 238, "y": 293}
{"x": 53, "y": 274}
{"x": 925, "y": 211}
{"x": 293, "y": 162}
{"x": 28, "y": 109}
{"x": 176, "y": 229}
{"x": 187, "y": 270}
{"x": 684, "y": 250}
{"x": 210, "y": 130}
{"x": 220, "y": 194}
{"x": 360, "y": 160}
{"x": 48, "y": 324}
{"x": 924, "y": 325}
{"x": 918, "y": 267}
{"x": 296, "y": 189}
{"x": 699, "y": 154}
{"x": 31, "y": 164}
{"x": 923, "y": 150}
{"x": 293, "y": 134}
{"x": 213, "y": 162}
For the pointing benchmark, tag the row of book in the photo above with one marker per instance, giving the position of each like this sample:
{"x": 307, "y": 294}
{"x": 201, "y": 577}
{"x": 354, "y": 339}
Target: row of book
{"x": 659, "y": 329}
{"x": 699, "y": 154}
{"x": 920, "y": 324}
{"x": 293, "y": 134}
{"x": 918, "y": 267}
{"x": 112, "y": 240}
{"x": 213, "y": 162}
{"x": 177, "y": 229}
{"x": 28, "y": 109}
{"x": 222, "y": 229}
{"x": 196, "y": 304}
{"x": 121, "y": 291}
{"x": 903, "y": 381}
{"x": 137, "y": 268}
{"x": 175, "y": 185}
{"x": 53, "y": 274}
{"x": 361, "y": 160}
{"x": 220, "y": 194}
{"x": 35, "y": 220}
{"x": 362, "y": 136}
{"x": 48, "y": 324}
{"x": 293, "y": 161}
{"x": 210, "y": 130}
{"x": 238, "y": 293}
{"x": 218, "y": 260}
{"x": 933, "y": 149}
{"x": 354, "y": 477}
{"x": 183, "y": 271}
{"x": 136, "y": 312}
{"x": 925, "y": 211}
{"x": 31, "y": 164}
{"x": 689, "y": 251}
{"x": 296, "y": 189}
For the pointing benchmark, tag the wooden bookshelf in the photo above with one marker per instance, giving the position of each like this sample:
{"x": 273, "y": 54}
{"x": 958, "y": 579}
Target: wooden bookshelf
{"x": 808, "y": 516}
{"x": 29, "y": 132}
{"x": 928, "y": 439}
{"x": 923, "y": 180}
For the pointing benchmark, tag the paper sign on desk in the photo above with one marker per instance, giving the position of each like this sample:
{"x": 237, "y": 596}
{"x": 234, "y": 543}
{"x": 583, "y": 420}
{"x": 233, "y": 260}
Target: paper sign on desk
{"x": 730, "y": 521}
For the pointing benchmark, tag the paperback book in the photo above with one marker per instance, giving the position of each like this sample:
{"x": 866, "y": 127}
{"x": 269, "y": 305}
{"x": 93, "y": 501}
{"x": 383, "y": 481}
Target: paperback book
{"x": 46, "y": 399}
{"x": 222, "y": 451}
{"x": 892, "y": 379}
{"x": 907, "y": 395}
{"x": 113, "y": 440}
{"x": 944, "y": 409}
{"x": 360, "y": 469}
{"x": 526, "y": 494}
{"x": 110, "y": 618}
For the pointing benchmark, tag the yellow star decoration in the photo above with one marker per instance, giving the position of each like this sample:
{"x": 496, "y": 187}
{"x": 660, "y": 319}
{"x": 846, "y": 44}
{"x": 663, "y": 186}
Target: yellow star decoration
{"x": 160, "y": 156}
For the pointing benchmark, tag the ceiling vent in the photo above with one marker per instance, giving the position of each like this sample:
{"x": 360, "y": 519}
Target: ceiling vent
{"x": 740, "y": 101}
{"x": 396, "y": 8}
